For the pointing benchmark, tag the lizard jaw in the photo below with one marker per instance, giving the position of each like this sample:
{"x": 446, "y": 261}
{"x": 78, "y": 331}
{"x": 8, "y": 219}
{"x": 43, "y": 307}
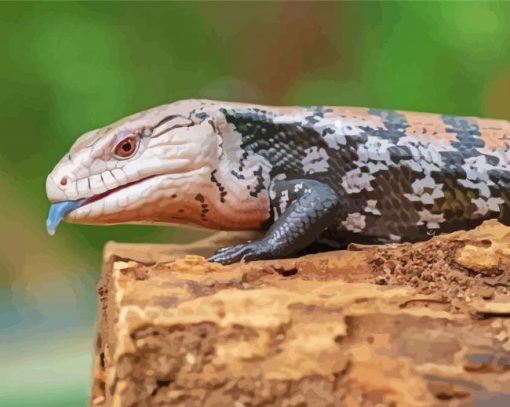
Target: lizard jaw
{"x": 111, "y": 191}
{"x": 146, "y": 201}
{"x": 59, "y": 210}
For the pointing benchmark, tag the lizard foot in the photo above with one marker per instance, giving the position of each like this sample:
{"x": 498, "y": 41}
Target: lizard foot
{"x": 255, "y": 250}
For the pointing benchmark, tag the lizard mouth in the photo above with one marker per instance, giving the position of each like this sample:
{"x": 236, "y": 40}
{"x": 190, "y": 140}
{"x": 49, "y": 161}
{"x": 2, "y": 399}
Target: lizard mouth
{"x": 111, "y": 191}
{"x": 59, "y": 210}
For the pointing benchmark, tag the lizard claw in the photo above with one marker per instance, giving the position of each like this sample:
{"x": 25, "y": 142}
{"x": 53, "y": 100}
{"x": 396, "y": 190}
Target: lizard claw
{"x": 242, "y": 252}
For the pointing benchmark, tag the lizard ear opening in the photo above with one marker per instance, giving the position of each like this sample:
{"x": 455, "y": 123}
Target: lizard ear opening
{"x": 126, "y": 147}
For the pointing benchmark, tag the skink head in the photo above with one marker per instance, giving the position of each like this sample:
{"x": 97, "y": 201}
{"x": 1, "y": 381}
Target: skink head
{"x": 142, "y": 168}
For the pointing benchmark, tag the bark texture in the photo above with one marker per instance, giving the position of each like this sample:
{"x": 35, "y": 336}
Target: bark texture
{"x": 424, "y": 324}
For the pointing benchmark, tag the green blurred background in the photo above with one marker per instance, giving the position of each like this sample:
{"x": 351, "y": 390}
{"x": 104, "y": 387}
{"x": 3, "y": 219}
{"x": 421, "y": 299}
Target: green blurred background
{"x": 69, "y": 67}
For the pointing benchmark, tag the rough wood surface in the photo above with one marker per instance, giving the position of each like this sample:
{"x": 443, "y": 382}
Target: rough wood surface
{"x": 405, "y": 325}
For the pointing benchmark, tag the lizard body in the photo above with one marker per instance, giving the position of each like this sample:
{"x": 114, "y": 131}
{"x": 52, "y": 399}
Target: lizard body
{"x": 303, "y": 174}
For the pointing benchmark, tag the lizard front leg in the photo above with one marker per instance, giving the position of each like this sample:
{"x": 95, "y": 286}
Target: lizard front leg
{"x": 313, "y": 206}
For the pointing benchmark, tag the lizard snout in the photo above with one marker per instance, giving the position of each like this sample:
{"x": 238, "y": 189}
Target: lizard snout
{"x": 55, "y": 190}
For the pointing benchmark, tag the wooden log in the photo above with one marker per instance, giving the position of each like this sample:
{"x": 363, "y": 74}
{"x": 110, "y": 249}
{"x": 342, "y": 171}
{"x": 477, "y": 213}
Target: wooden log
{"x": 421, "y": 324}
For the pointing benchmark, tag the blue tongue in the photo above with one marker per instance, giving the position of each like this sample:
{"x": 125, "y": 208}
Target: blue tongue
{"x": 58, "y": 211}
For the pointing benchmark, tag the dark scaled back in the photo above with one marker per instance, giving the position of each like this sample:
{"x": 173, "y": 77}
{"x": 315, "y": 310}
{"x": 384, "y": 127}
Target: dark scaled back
{"x": 399, "y": 176}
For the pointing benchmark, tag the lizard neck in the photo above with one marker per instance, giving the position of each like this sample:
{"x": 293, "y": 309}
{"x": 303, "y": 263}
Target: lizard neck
{"x": 241, "y": 180}
{"x": 216, "y": 200}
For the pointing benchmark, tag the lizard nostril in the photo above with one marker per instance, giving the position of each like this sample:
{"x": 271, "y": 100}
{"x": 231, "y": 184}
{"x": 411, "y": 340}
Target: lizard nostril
{"x": 63, "y": 181}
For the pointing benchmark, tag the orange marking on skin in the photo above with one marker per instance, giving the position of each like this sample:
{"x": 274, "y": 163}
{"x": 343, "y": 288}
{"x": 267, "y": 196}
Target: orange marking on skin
{"x": 427, "y": 127}
{"x": 359, "y": 116}
{"x": 495, "y": 133}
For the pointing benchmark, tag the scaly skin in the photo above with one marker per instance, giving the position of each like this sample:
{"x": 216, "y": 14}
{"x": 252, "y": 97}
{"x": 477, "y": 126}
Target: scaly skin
{"x": 304, "y": 174}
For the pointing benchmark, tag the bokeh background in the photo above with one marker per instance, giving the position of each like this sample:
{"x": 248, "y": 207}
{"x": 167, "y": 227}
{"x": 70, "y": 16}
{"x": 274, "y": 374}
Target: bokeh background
{"x": 66, "y": 68}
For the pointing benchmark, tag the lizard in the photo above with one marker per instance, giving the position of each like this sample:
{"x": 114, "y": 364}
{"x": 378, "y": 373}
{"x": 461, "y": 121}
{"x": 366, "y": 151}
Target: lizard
{"x": 302, "y": 175}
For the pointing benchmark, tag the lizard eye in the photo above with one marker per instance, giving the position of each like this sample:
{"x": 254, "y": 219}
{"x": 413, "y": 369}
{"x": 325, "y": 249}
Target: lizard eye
{"x": 126, "y": 147}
